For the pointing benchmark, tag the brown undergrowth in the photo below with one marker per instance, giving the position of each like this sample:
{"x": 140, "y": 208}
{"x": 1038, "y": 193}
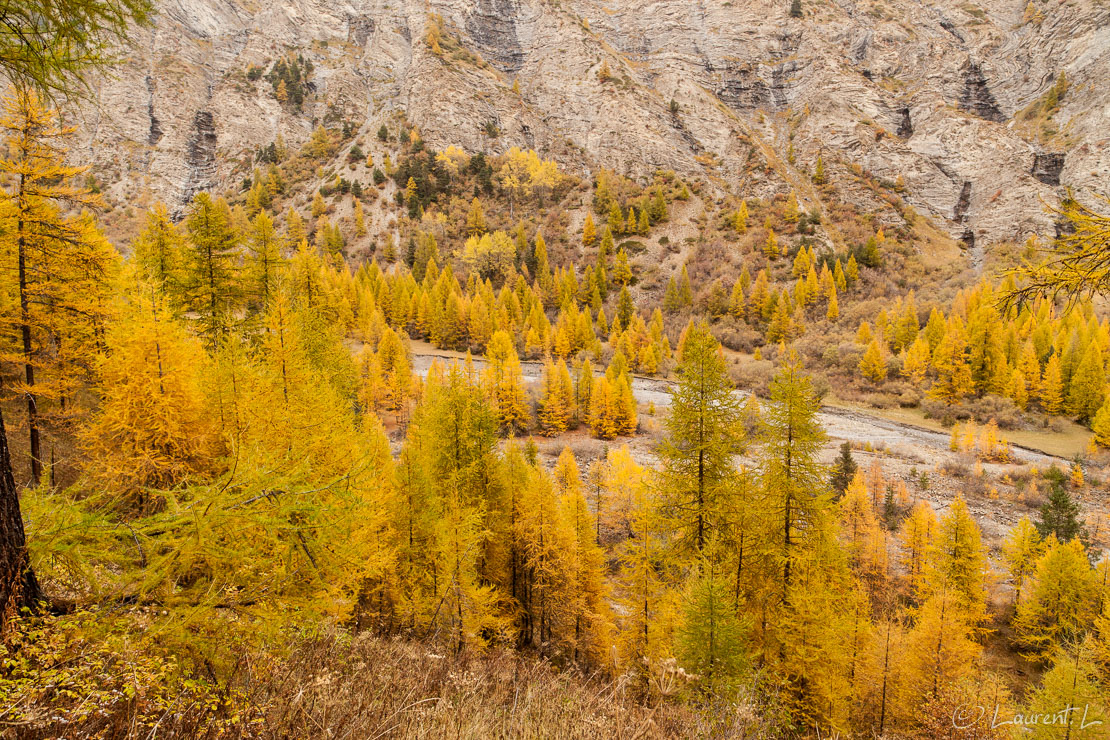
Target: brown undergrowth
{"x": 56, "y": 684}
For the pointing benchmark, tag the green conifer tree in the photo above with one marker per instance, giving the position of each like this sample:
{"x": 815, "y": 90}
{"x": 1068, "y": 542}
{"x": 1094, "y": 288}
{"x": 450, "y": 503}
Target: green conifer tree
{"x": 1060, "y": 515}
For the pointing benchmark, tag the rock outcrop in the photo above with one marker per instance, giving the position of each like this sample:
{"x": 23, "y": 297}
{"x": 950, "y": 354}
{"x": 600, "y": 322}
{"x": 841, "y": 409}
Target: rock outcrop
{"x": 976, "y": 97}
{"x": 1048, "y": 166}
{"x": 200, "y": 154}
{"x": 905, "y": 124}
{"x": 906, "y": 102}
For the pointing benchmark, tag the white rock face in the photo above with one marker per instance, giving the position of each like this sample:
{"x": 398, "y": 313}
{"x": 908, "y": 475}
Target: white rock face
{"x": 925, "y": 90}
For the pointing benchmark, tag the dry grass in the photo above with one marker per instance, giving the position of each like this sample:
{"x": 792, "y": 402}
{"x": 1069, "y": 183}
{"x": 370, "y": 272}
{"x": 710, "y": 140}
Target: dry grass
{"x": 392, "y": 688}
{"x": 1070, "y": 441}
{"x": 367, "y": 687}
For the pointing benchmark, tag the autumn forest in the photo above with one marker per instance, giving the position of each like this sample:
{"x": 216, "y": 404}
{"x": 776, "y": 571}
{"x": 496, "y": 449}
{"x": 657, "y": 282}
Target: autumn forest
{"x": 385, "y": 441}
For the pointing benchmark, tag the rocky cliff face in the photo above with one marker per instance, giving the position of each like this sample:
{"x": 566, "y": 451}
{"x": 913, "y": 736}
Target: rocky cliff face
{"x": 940, "y": 96}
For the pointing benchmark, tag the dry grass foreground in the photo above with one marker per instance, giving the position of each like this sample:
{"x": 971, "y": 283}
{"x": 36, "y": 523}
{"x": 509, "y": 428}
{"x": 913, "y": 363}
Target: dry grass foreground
{"x": 361, "y": 687}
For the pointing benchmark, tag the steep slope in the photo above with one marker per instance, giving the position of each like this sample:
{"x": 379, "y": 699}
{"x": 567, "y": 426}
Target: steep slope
{"x": 941, "y": 100}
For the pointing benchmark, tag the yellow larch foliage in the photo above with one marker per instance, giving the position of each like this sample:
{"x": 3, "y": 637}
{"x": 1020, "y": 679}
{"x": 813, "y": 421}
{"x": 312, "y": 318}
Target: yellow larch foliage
{"x": 56, "y": 268}
{"x": 956, "y": 565}
{"x": 916, "y": 536}
{"x": 605, "y": 411}
{"x": 153, "y": 428}
{"x": 557, "y": 406}
{"x": 873, "y": 364}
{"x": 1020, "y": 551}
{"x": 505, "y": 383}
{"x": 1063, "y": 600}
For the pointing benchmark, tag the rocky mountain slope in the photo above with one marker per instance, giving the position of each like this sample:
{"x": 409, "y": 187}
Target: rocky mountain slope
{"x": 942, "y": 101}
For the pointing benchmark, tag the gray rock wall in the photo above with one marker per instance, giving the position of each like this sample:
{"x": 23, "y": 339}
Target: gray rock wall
{"x": 896, "y": 93}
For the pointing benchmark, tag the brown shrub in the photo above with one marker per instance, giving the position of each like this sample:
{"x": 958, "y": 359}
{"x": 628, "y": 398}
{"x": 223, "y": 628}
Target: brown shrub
{"x": 1001, "y": 410}
{"x": 959, "y": 470}
{"x": 910, "y": 398}
{"x": 942, "y": 412}
{"x": 981, "y": 410}
{"x": 881, "y": 400}
{"x": 737, "y": 336}
{"x": 754, "y": 376}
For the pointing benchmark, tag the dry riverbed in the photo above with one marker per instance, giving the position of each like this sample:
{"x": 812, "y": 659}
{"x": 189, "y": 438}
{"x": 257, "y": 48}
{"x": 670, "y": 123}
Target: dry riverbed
{"x": 904, "y": 451}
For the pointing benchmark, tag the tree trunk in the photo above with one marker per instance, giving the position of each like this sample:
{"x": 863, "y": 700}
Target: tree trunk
{"x": 28, "y": 366}
{"x": 886, "y": 673}
{"x": 18, "y": 586}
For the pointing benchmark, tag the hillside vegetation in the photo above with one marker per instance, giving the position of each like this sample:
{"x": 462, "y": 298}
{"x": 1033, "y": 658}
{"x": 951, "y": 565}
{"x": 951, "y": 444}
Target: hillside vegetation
{"x": 250, "y": 517}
